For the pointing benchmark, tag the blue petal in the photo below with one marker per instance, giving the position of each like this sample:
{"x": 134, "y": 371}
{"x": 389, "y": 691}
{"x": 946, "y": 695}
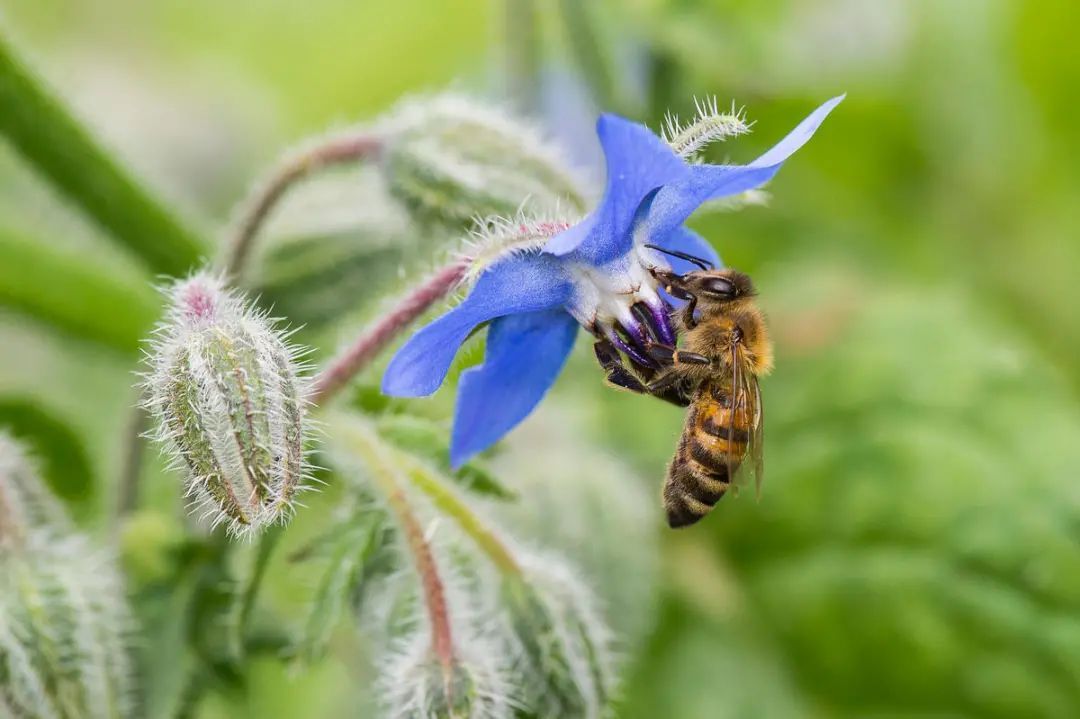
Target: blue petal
{"x": 685, "y": 240}
{"x": 524, "y": 356}
{"x": 525, "y": 283}
{"x": 678, "y": 200}
{"x": 637, "y": 163}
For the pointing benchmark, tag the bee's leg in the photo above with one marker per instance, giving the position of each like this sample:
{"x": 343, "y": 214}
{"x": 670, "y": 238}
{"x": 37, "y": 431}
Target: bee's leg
{"x": 620, "y": 375}
{"x": 671, "y": 356}
{"x": 671, "y": 387}
{"x": 617, "y": 372}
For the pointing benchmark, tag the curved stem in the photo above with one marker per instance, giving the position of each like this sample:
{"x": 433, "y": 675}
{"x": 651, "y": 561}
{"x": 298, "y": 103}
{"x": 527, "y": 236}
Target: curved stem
{"x": 446, "y": 500}
{"x": 336, "y": 375}
{"x": 131, "y": 470}
{"x": 376, "y": 457}
{"x": 291, "y": 170}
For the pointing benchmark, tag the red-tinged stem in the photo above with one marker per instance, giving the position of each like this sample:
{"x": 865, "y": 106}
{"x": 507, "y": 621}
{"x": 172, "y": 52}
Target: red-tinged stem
{"x": 442, "y": 642}
{"x": 383, "y": 473}
{"x": 372, "y": 340}
{"x": 291, "y": 170}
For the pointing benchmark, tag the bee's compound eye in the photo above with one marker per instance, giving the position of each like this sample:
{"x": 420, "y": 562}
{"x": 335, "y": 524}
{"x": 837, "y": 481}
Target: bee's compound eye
{"x": 719, "y": 287}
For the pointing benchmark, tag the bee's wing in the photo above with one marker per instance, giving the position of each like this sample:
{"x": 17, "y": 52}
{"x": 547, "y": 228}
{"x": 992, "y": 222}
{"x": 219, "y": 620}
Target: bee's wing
{"x": 746, "y": 400}
{"x": 735, "y": 397}
{"x": 756, "y": 448}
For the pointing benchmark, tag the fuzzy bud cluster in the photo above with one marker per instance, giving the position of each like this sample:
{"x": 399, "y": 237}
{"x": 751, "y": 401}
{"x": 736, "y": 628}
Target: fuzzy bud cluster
{"x": 561, "y": 640}
{"x": 227, "y": 395}
{"x": 26, "y": 506}
{"x": 63, "y": 618}
{"x": 418, "y": 686}
{"x": 451, "y": 160}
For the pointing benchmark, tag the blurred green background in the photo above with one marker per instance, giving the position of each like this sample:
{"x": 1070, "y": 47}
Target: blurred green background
{"x": 915, "y": 550}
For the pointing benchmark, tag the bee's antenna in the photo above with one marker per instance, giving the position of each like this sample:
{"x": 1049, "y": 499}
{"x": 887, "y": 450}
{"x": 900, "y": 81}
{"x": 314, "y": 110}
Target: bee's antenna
{"x": 683, "y": 256}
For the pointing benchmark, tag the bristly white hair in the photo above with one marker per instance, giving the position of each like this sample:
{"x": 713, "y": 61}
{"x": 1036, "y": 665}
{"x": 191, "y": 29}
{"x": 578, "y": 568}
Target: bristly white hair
{"x": 579, "y": 625}
{"x": 417, "y": 112}
{"x": 710, "y": 125}
{"x": 496, "y": 238}
{"x": 66, "y": 595}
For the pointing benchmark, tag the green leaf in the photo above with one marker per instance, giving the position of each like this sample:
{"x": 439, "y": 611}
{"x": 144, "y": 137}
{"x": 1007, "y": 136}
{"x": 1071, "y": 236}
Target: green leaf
{"x": 346, "y": 551}
{"x": 57, "y": 449}
{"x": 73, "y": 294}
{"x": 429, "y": 440}
{"x": 45, "y": 133}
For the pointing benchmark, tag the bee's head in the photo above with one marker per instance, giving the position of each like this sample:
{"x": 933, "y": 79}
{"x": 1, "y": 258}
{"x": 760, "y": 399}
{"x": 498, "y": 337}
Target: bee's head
{"x": 708, "y": 286}
{"x": 726, "y": 285}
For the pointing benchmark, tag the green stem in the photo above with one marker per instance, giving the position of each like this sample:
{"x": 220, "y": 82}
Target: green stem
{"x": 267, "y": 543}
{"x": 45, "y": 133}
{"x": 446, "y": 500}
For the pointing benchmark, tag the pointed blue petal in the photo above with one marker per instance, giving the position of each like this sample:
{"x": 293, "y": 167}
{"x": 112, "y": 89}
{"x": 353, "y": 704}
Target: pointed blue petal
{"x": 678, "y": 200}
{"x": 524, "y": 356}
{"x": 525, "y": 283}
{"x": 685, "y": 240}
{"x": 637, "y": 163}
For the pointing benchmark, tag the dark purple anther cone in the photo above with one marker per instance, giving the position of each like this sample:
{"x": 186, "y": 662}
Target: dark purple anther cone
{"x": 658, "y": 320}
{"x": 638, "y": 356}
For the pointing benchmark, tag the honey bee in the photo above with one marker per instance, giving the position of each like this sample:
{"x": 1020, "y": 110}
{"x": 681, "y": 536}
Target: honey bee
{"x": 726, "y": 348}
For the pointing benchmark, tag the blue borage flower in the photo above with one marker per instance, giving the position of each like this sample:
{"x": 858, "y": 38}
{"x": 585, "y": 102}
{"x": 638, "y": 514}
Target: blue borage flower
{"x": 594, "y": 274}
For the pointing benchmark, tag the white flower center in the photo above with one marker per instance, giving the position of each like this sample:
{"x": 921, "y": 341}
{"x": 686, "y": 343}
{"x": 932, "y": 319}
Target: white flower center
{"x": 605, "y": 294}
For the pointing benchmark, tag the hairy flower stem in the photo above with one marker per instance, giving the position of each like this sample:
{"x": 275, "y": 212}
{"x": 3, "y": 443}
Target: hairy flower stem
{"x": 471, "y": 524}
{"x": 371, "y": 341}
{"x": 131, "y": 470}
{"x": 291, "y": 170}
{"x": 382, "y": 471}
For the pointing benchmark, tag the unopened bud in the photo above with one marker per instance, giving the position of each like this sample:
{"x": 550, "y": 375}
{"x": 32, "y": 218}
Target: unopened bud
{"x": 63, "y": 634}
{"x": 564, "y": 644}
{"x": 450, "y": 160}
{"x": 26, "y": 505}
{"x": 227, "y": 395}
{"x": 419, "y": 686}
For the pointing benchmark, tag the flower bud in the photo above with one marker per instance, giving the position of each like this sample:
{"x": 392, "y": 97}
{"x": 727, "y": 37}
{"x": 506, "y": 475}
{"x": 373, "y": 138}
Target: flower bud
{"x": 228, "y": 400}
{"x": 26, "y": 506}
{"x": 418, "y": 686}
{"x": 564, "y": 646}
{"x": 450, "y": 160}
{"x": 63, "y": 629}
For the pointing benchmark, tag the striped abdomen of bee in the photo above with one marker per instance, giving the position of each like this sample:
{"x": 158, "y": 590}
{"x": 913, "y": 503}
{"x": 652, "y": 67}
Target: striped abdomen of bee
{"x": 713, "y": 444}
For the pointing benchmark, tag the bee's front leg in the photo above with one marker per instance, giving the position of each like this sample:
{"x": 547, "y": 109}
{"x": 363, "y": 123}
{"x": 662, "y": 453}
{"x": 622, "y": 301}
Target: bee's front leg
{"x": 617, "y": 372}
